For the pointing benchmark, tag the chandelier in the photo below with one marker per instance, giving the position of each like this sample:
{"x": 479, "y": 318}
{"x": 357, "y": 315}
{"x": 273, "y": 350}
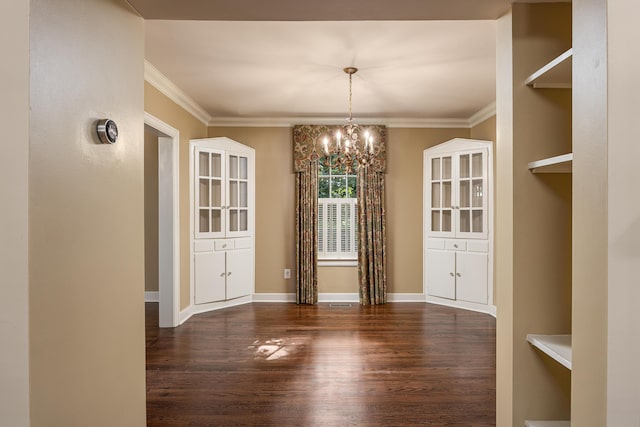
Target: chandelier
{"x": 351, "y": 146}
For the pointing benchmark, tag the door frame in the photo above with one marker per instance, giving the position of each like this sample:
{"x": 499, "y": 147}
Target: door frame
{"x": 168, "y": 221}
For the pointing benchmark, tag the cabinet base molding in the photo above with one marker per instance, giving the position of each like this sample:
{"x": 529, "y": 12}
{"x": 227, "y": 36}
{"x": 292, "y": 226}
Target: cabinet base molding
{"x": 480, "y": 308}
{"x": 204, "y": 308}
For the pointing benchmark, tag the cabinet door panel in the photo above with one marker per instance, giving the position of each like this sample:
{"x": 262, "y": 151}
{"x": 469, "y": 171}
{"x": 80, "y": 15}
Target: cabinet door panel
{"x": 471, "y": 277}
{"x": 239, "y": 273}
{"x": 209, "y": 277}
{"x": 441, "y": 274}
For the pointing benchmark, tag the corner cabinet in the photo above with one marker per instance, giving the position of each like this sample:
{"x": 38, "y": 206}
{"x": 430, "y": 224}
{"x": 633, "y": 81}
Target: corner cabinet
{"x": 458, "y": 260}
{"x": 222, "y": 173}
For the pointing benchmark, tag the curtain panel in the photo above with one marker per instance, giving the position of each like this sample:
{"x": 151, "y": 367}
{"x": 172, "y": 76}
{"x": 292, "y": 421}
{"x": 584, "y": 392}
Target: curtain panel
{"x": 372, "y": 272}
{"x": 307, "y": 233}
{"x": 372, "y": 237}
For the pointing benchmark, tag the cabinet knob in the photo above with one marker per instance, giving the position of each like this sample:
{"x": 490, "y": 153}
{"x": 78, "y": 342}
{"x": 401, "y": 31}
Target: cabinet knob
{"x": 455, "y": 245}
{"x": 225, "y": 245}
{"x": 451, "y": 274}
{"x": 458, "y": 274}
{"x": 221, "y": 274}
{"x": 229, "y": 274}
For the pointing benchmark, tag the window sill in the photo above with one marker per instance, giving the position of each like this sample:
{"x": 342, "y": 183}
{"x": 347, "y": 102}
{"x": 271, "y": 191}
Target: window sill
{"x": 337, "y": 263}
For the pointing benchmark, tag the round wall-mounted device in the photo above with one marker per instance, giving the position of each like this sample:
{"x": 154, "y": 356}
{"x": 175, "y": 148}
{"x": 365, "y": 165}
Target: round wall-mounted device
{"x": 107, "y": 131}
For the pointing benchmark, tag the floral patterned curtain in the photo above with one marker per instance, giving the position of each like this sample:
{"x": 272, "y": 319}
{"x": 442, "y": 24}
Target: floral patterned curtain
{"x": 307, "y": 233}
{"x": 372, "y": 272}
{"x": 372, "y": 239}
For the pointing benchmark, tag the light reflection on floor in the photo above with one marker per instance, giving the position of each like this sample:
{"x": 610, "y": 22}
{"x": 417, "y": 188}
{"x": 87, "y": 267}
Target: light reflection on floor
{"x": 275, "y": 348}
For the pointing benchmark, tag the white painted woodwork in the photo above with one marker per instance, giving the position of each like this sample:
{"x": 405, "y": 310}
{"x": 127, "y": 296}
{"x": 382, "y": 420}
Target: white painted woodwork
{"x": 238, "y": 275}
{"x": 558, "y": 347}
{"x": 528, "y": 423}
{"x": 168, "y": 221}
{"x": 458, "y": 266}
{"x": 210, "y": 277}
{"x": 555, "y": 74}
{"x": 557, "y": 164}
{"x": 222, "y": 225}
{"x": 441, "y": 269}
{"x": 471, "y": 277}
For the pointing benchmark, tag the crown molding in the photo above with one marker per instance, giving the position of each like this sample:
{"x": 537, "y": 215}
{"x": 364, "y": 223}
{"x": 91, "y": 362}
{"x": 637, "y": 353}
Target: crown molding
{"x": 291, "y": 121}
{"x": 158, "y": 80}
{"x": 482, "y": 115}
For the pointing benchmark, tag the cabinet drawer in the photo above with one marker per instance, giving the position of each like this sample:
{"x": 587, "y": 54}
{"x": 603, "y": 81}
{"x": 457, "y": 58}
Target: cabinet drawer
{"x": 203, "y": 246}
{"x": 456, "y": 245}
{"x": 243, "y": 244}
{"x": 223, "y": 245}
{"x": 478, "y": 246}
{"x": 435, "y": 243}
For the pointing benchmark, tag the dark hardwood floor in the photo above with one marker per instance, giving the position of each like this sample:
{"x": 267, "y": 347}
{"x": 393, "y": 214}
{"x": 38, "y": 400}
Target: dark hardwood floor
{"x": 264, "y": 364}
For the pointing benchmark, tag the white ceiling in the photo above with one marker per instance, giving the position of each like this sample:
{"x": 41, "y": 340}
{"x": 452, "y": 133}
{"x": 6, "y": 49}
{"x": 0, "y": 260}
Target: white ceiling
{"x": 291, "y": 71}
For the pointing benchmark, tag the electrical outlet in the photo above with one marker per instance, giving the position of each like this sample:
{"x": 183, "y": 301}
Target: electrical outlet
{"x": 287, "y": 273}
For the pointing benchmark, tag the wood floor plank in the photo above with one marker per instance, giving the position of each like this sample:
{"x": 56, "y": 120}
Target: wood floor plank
{"x": 270, "y": 364}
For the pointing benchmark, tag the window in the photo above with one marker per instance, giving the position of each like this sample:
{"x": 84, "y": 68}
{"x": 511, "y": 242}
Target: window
{"x": 337, "y": 212}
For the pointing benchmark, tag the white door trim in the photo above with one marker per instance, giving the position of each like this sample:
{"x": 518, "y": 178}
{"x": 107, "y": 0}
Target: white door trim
{"x": 168, "y": 221}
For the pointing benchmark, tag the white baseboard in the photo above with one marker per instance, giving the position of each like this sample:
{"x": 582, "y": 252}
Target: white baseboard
{"x": 480, "y": 308}
{"x": 405, "y": 297}
{"x": 204, "y": 308}
{"x": 338, "y": 297}
{"x": 151, "y": 296}
{"x": 288, "y": 297}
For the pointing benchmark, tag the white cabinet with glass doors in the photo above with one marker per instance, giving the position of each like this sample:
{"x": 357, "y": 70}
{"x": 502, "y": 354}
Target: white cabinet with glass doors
{"x": 223, "y": 180}
{"x": 457, "y": 224}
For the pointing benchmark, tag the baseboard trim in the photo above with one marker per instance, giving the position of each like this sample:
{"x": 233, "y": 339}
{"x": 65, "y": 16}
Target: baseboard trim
{"x": 288, "y": 297}
{"x": 463, "y": 305}
{"x": 151, "y": 296}
{"x": 205, "y": 308}
{"x": 405, "y": 297}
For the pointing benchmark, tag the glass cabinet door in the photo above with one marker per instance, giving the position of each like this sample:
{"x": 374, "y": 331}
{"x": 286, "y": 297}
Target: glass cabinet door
{"x": 209, "y": 193}
{"x": 441, "y": 208}
{"x": 238, "y": 195}
{"x": 471, "y": 189}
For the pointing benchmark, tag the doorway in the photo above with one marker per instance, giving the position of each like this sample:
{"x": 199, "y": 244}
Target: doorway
{"x": 168, "y": 220}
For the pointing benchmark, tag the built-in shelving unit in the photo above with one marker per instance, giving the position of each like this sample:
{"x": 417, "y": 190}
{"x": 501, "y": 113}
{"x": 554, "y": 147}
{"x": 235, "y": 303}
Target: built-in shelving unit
{"x": 547, "y": 423}
{"x": 542, "y": 127}
{"x": 556, "y": 74}
{"x": 558, "y": 347}
{"x": 557, "y": 164}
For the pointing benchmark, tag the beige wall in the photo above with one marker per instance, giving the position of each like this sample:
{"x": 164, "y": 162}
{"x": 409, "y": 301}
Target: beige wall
{"x": 590, "y": 194}
{"x": 404, "y": 203}
{"x": 503, "y": 218}
{"x": 485, "y": 130}
{"x": 158, "y": 105}
{"x": 86, "y": 253}
{"x": 275, "y": 206}
{"x": 623, "y": 177}
{"x": 150, "y": 210}
{"x": 275, "y": 209}
{"x": 14, "y": 290}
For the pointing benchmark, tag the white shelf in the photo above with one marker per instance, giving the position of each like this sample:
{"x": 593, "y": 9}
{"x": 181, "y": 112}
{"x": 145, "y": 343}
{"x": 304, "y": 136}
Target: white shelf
{"x": 557, "y": 164}
{"x": 558, "y": 347}
{"x": 547, "y": 423}
{"x": 555, "y": 74}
